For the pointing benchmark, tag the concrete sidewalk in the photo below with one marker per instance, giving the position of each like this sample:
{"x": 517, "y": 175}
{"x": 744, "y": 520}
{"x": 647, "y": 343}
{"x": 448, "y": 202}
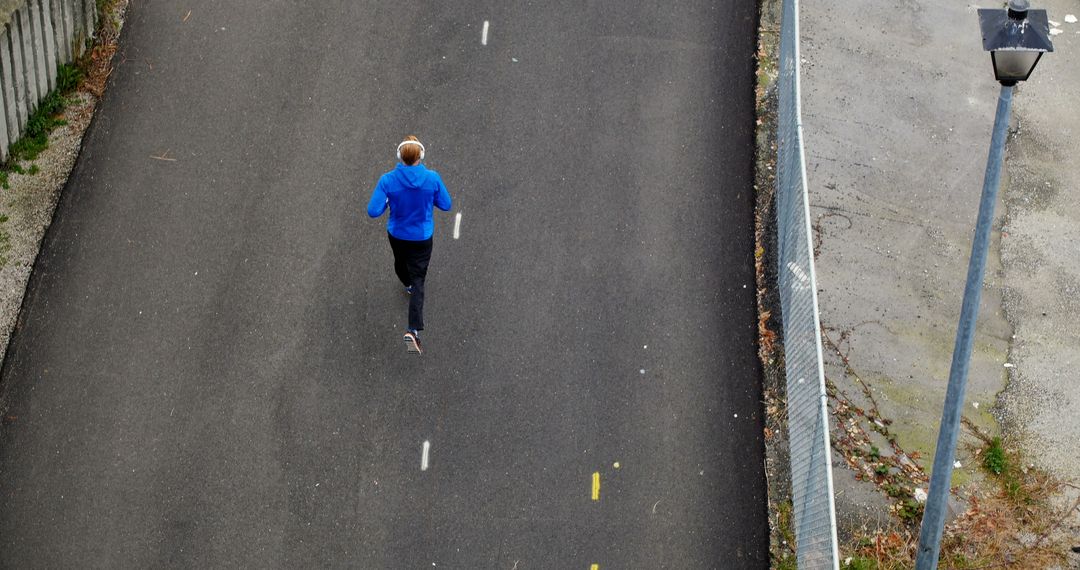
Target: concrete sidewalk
{"x": 898, "y": 105}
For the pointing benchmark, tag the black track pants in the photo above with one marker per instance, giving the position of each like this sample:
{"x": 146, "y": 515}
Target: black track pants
{"x": 410, "y": 263}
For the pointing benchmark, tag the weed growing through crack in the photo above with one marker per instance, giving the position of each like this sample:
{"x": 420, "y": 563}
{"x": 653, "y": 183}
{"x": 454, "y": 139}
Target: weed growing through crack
{"x": 783, "y": 558}
{"x": 1010, "y": 526}
{"x": 1023, "y": 486}
{"x": 995, "y": 461}
{"x": 1013, "y": 505}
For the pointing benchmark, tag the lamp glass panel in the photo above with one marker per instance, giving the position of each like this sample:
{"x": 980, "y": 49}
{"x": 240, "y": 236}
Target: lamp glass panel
{"x": 1014, "y": 64}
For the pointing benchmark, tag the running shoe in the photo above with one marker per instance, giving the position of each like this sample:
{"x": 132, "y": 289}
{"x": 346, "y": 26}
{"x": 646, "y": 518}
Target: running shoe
{"x": 412, "y": 342}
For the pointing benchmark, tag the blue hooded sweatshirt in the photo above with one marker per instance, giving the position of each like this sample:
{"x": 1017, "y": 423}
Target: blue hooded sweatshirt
{"x": 410, "y": 192}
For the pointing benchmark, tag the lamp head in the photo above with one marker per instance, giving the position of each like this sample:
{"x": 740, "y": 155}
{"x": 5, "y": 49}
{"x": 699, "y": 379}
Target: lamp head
{"x": 1016, "y": 38}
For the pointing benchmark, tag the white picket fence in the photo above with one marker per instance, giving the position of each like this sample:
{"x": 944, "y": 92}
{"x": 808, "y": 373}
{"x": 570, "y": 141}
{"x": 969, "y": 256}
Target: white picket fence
{"x": 38, "y": 36}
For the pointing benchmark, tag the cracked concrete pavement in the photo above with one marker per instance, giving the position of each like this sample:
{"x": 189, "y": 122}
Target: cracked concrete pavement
{"x": 898, "y": 104}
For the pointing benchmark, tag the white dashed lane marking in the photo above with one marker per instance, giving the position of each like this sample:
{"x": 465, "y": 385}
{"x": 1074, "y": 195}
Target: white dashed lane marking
{"x": 424, "y": 455}
{"x": 457, "y": 225}
{"x": 483, "y": 35}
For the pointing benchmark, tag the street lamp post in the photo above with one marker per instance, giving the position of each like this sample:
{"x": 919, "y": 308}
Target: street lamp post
{"x": 1016, "y": 39}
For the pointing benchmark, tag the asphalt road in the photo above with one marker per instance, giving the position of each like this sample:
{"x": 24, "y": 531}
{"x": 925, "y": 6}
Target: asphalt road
{"x": 209, "y": 369}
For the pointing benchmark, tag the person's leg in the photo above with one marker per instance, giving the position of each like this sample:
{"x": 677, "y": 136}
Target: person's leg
{"x": 400, "y": 249}
{"x": 419, "y": 255}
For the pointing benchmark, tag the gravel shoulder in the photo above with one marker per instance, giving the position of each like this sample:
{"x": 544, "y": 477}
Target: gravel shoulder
{"x": 1041, "y": 259}
{"x": 28, "y": 206}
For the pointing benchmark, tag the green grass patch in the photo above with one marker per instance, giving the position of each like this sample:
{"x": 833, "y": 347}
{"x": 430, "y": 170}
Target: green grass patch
{"x": 68, "y": 78}
{"x": 910, "y": 511}
{"x": 47, "y": 116}
{"x": 783, "y": 554}
{"x": 859, "y": 563}
{"x": 995, "y": 460}
{"x": 1008, "y": 470}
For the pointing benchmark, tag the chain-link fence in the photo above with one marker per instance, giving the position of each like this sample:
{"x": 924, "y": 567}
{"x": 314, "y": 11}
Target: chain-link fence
{"x": 808, "y": 431}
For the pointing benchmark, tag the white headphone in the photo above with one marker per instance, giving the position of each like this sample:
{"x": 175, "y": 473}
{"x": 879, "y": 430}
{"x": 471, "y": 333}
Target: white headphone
{"x": 417, "y": 143}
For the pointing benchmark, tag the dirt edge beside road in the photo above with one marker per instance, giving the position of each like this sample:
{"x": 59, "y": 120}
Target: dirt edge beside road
{"x": 770, "y": 345}
{"x": 28, "y": 206}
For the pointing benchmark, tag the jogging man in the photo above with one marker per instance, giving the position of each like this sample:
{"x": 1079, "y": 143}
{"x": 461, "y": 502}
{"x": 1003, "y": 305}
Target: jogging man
{"x": 410, "y": 191}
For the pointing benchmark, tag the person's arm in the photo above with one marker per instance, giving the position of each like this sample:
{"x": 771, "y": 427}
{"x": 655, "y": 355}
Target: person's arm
{"x": 442, "y": 197}
{"x": 377, "y": 205}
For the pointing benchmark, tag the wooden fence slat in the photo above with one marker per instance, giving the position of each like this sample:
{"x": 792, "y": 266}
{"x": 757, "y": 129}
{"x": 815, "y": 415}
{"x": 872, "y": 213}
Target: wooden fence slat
{"x": 40, "y": 35}
{"x": 7, "y": 78}
{"x": 61, "y": 40}
{"x": 10, "y": 131}
{"x": 42, "y": 73}
{"x": 18, "y": 73}
{"x": 48, "y": 39}
{"x": 90, "y": 7}
{"x": 78, "y": 33}
{"x": 29, "y": 73}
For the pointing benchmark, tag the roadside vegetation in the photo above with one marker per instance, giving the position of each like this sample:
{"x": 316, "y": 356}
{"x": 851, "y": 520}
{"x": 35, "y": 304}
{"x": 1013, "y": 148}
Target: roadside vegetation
{"x": 1010, "y": 522}
{"x": 90, "y": 71}
{"x": 47, "y": 116}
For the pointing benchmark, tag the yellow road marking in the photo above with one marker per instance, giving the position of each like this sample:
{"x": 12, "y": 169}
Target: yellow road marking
{"x": 596, "y": 486}
{"x": 594, "y": 567}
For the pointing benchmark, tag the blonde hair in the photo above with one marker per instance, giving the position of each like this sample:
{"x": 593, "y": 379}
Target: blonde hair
{"x": 410, "y": 153}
